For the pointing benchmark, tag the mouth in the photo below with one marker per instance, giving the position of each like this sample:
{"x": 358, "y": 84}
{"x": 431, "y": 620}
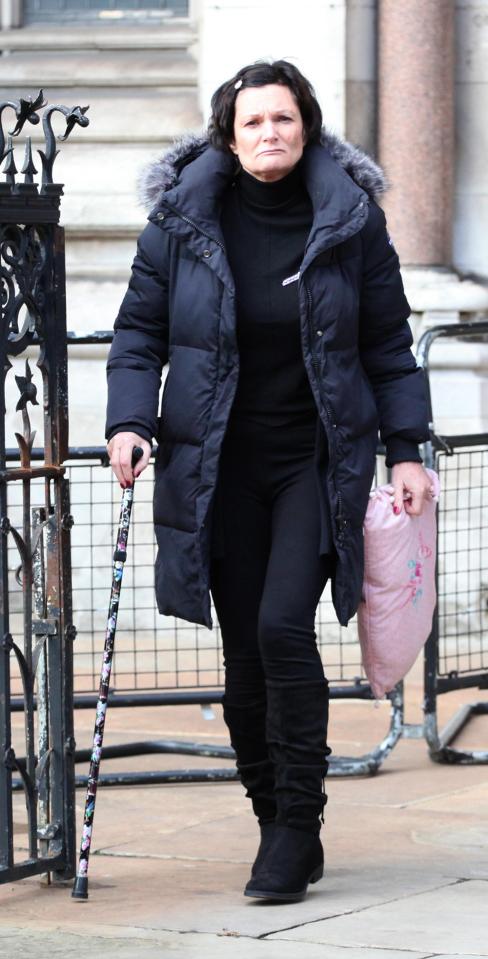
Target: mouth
{"x": 265, "y": 152}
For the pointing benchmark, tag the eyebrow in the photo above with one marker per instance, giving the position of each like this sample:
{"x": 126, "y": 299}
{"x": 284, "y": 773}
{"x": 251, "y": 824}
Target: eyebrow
{"x": 252, "y": 116}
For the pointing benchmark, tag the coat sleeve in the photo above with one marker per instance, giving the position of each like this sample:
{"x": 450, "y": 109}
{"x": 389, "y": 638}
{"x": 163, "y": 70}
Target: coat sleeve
{"x": 140, "y": 345}
{"x": 385, "y": 341}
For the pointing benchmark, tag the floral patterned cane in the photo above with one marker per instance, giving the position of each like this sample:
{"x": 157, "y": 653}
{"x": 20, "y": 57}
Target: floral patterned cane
{"x": 80, "y": 888}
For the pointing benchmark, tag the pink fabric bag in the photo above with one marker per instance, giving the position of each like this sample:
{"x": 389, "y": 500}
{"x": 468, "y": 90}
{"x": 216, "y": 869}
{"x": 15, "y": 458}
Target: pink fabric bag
{"x": 395, "y": 614}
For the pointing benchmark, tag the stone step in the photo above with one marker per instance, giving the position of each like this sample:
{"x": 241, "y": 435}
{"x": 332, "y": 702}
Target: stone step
{"x": 122, "y": 115}
{"x": 26, "y": 72}
{"x": 104, "y": 296}
{"x": 96, "y": 215}
{"x": 141, "y": 86}
{"x": 85, "y": 233}
{"x": 100, "y": 256}
{"x": 169, "y": 36}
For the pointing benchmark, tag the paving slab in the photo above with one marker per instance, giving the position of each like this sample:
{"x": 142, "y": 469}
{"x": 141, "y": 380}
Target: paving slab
{"x": 470, "y": 839}
{"x": 169, "y": 863}
{"x": 459, "y": 800}
{"x": 352, "y": 837}
{"x": 453, "y": 918}
{"x": 31, "y": 944}
{"x": 194, "y": 896}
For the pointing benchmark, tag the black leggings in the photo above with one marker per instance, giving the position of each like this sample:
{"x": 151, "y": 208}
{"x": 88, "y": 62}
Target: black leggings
{"x": 268, "y": 581}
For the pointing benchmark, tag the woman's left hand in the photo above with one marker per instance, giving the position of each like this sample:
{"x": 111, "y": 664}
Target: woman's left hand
{"x": 410, "y": 480}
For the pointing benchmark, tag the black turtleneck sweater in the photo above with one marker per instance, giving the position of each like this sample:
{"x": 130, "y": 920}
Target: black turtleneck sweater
{"x": 265, "y": 228}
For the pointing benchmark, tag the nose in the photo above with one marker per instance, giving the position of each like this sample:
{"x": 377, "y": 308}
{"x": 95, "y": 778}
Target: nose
{"x": 268, "y": 131}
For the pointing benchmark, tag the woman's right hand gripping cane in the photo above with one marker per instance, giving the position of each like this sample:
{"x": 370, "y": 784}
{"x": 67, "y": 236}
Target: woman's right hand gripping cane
{"x": 120, "y": 449}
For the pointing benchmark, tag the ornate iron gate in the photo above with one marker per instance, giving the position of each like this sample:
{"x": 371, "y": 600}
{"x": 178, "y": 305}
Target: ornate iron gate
{"x": 34, "y": 327}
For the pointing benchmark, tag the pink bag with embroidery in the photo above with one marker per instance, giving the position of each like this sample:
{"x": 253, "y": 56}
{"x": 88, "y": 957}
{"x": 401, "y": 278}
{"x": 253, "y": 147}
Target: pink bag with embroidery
{"x": 399, "y": 597}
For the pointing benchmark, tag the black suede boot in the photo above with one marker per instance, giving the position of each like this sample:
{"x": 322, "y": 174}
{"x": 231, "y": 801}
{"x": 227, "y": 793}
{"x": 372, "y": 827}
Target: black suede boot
{"x": 297, "y": 717}
{"x": 267, "y": 831}
{"x": 258, "y": 778}
{"x": 293, "y": 859}
{"x": 247, "y": 728}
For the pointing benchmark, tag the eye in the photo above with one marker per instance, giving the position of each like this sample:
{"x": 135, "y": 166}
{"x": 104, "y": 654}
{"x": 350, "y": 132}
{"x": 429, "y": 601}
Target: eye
{"x": 285, "y": 118}
{"x": 251, "y": 123}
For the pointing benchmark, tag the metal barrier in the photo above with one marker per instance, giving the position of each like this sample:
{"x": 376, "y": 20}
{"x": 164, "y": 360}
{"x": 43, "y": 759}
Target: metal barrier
{"x": 161, "y": 660}
{"x": 164, "y": 661}
{"x": 456, "y": 654}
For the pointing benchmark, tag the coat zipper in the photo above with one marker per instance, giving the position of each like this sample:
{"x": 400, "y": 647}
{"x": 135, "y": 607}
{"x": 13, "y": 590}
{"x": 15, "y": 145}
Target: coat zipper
{"x": 193, "y": 225}
{"x": 326, "y": 405}
{"x": 341, "y": 521}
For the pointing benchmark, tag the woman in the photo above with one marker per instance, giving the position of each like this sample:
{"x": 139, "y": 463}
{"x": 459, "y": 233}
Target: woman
{"x": 267, "y": 280}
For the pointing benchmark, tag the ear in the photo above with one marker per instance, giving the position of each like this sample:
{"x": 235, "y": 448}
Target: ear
{"x": 232, "y": 146}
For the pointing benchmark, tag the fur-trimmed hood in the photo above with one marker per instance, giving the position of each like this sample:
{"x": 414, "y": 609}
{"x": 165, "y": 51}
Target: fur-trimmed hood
{"x": 162, "y": 174}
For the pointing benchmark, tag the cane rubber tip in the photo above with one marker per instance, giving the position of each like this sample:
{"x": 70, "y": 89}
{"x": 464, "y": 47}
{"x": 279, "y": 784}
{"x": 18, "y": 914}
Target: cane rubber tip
{"x": 80, "y": 888}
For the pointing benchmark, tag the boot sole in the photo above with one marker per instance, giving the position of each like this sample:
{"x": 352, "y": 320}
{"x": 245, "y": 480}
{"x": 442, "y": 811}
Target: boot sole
{"x": 286, "y": 896}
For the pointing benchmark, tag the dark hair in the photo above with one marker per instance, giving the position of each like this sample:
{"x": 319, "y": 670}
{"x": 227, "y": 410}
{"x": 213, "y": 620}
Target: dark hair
{"x": 259, "y": 74}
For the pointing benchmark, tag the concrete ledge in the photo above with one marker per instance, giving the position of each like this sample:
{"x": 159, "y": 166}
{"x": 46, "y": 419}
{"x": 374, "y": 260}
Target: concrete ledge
{"x": 104, "y": 231}
{"x": 114, "y": 68}
{"x": 441, "y": 289}
{"x": 164, "y": 36}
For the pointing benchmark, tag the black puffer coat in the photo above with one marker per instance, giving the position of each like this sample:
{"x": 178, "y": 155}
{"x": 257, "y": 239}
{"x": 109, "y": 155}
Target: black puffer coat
{"x": 179, "y": 308}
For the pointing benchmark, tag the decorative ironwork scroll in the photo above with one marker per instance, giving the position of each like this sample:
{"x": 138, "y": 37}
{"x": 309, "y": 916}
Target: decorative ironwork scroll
{"x": 35, "y": 545}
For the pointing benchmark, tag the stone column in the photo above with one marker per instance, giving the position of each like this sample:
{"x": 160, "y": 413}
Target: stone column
{"x": 471, "y": 190}
{"x": 416, "y": 125}
{"x": 361, "y": 63}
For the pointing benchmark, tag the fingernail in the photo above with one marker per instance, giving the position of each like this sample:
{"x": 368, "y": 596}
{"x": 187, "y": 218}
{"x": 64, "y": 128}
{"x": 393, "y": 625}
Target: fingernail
{"x": 396, "y": 510}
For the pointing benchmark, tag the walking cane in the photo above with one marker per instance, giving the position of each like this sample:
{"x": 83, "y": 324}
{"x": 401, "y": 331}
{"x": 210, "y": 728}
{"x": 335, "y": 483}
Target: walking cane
{"x": 80, "y": 888}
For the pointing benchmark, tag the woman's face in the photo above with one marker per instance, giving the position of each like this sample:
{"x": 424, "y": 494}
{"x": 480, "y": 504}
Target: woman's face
{"x": 268, "y": 131}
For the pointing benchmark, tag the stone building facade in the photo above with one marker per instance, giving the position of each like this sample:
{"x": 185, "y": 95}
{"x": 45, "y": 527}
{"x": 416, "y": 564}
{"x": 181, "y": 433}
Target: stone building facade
{"x": 405, "y": 79}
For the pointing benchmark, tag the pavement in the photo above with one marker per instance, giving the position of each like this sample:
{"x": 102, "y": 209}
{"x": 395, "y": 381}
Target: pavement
{"x": 406, "y": 855}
